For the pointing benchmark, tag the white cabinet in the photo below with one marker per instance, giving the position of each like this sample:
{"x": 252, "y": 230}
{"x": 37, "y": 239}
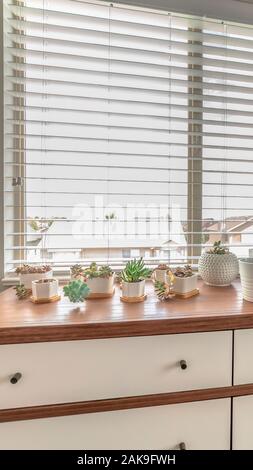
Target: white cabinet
{"x": 243, "y": 423}
{"x": 200, "y": 425}
{"x": 243, "y": 357}
{"x": 73, "y": 371}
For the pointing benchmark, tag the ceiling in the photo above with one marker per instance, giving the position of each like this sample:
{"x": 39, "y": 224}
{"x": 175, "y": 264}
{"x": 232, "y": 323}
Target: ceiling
{"x": 231, "y": 10}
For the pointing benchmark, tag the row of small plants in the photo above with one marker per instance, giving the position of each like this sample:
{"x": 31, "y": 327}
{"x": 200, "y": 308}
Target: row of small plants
{"x": 99, "y": 280}
{"x": 217, "y": 266}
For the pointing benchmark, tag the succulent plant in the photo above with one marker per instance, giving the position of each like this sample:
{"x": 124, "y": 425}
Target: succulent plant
{"x": 77, "y": 270}
{"x": 30, "y": 269}
{"x": 76, "y": 290}
{"x": 163, "y": 291}
{"x": 163, "y": 267}
{"x": 183, "y": 271}
{"x": 218, "y": 249}
{"x": 135, "y": 271}
{"x": 94, "y": 271}
{"x": 22, "y": 292}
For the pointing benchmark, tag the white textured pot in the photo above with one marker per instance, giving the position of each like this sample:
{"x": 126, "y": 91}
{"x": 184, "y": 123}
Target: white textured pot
{"x": 27, "y": 279}
{"x": 101, "y": 285}
{"x": 218, "y": 270}
{"x": 133, "y": 289}
{"x": 246, "y": 274}
{"x": 45, "y": 289}
{"x": 182, "y": 285}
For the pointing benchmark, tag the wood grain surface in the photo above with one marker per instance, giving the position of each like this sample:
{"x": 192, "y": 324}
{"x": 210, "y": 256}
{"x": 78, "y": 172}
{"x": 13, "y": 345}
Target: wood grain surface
{"x": 215, "y": 308}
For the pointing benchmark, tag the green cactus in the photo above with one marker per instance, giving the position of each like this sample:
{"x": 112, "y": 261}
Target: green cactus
{"x": 135, "y": 271}
{"x": 76, "y": 291}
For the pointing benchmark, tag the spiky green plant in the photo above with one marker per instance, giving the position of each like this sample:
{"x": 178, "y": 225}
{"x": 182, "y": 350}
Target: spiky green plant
{"x": 76, "y": 290}
{"x": 94, "y": 271}
{"x": 218, "y": 249}
{"x": 163, "y": 291}
{"x": 22, "y": 292}
{"x": 135, "y": 271}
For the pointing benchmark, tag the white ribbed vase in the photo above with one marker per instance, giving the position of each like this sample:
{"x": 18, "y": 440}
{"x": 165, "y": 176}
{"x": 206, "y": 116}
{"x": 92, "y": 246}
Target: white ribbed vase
{"x": 218, "y": 270}
{"x": 246, "y": 274}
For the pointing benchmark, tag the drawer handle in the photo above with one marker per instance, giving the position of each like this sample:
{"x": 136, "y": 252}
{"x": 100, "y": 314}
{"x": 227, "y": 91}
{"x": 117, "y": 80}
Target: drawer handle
{"x": 15, "y": 378}
{"x": 182, "y": 446}
{"x": 183, "y": 364}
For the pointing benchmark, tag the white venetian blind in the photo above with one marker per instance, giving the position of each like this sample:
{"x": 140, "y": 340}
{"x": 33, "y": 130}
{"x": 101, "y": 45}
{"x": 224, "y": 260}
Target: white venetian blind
{"x": 128, "y": 132}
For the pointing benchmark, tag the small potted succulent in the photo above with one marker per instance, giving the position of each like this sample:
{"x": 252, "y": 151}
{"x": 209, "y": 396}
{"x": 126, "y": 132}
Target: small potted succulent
{"x": 133, "y": 281}
{"x": 218, "y": 266}
{"x": 76, "y": 291}
{"x": 76, "y": 271}
{"x": 160, "y": 273}
{"x": 185, "y": 281}
{"x": 28, "y": 273}
{"x": 45, "y": 290}
{"x": 100, "y": 280}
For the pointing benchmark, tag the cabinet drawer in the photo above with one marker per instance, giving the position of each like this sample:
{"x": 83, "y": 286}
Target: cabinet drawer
{"x": 200, "y": 425}
{"x": 109, "y": 368}
{"x": 243, "y": 423}
{"x": 243, "y": 351}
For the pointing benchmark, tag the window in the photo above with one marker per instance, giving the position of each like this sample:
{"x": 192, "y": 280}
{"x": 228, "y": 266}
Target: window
{"x": 126, "y": 130}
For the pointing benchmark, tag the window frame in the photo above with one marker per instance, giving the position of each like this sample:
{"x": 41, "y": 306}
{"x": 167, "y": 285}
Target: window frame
{"x": 1, "y": 146}
{"x": 194, "y": 172}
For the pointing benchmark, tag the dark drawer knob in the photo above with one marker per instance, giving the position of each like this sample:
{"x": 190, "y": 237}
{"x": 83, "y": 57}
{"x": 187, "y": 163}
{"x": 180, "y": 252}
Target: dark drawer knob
{"x": 183, "y": 364}
{"x": 182, "y": 446}
{"x": 15, "y": 378}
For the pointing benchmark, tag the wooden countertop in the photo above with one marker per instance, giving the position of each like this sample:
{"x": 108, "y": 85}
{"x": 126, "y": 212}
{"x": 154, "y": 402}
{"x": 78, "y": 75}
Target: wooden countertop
{"x": 215, "y": 308}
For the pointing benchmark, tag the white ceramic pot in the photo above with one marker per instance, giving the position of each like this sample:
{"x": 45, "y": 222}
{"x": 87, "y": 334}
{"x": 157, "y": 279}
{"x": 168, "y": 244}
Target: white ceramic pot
{"x": 45, "y": 288}
{"x": 160, "y": 275}
{"x": 218, "y": 270}
{"x": 182, "y": 285}
{"x": 27, "y": 279}
{"x": 133, "y": 289}
{"x": 101, "y": 285}
{"x": 246, "y": 274}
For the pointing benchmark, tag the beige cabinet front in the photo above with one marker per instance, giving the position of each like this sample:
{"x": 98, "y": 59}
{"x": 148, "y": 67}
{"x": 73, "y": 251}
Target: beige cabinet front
{"x": 72, "y": 371}
{"x": 243, "y": 350}
{"x": 199, "y": 425}
{"x": 243, "y": 423}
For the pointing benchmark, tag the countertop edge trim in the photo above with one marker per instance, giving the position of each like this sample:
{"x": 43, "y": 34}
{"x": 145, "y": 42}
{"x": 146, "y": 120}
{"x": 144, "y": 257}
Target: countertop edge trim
{"x": 48, "y": 333}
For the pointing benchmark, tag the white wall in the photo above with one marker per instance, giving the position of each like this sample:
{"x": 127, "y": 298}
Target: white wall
{"x": 230, "y": 10}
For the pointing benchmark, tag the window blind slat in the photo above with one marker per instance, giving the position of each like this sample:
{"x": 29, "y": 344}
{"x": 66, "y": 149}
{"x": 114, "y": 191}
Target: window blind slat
{"x": 165, "y": 81}
{"x": 103, "y": 89}
{"x": 142, "y": 67}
